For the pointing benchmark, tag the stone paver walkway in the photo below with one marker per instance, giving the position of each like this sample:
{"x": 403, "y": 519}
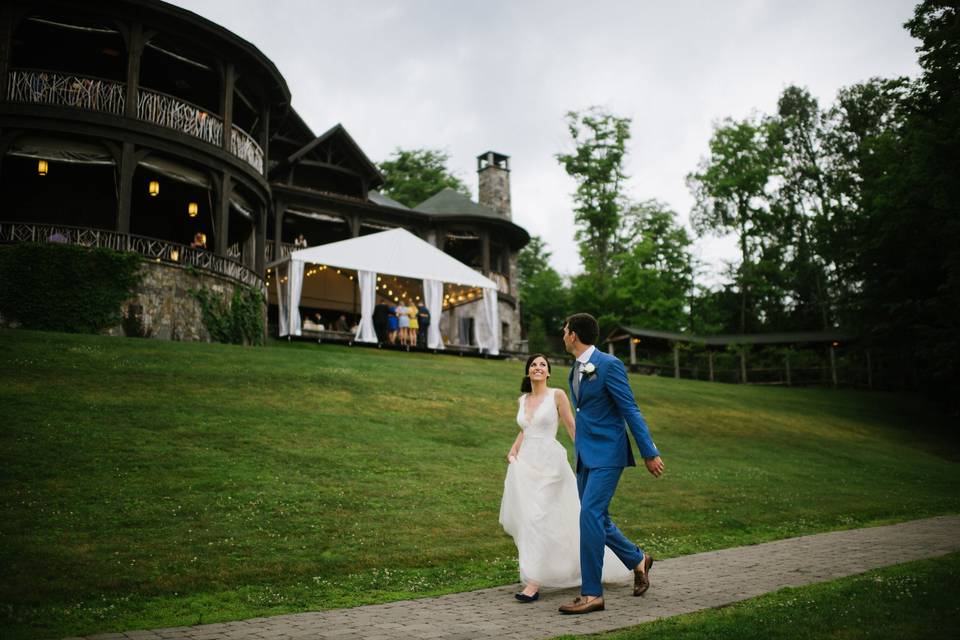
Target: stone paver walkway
{"x": 679, "y": 585}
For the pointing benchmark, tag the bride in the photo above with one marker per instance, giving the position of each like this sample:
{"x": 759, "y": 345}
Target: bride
{"x": 541, "y": 506}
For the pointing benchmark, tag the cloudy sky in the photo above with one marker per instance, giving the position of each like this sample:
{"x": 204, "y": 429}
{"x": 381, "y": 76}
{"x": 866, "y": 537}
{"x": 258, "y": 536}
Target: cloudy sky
{"x": 471, "y": 76}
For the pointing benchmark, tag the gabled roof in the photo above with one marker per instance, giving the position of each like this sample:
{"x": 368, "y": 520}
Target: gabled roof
{"x": 396, "y": 252}
{"x": 337, "y": 133}
{"x": 449, "y": 202}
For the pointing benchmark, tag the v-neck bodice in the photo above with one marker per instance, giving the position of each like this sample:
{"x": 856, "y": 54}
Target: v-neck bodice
{"x": 542, "y": 422}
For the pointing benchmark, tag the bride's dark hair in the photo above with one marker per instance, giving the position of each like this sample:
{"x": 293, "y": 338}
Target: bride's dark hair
{"x": 525, "y": 386}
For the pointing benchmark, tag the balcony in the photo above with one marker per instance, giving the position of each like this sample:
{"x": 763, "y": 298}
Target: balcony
{"x": 97, "y": 94}
{"x": 152, "y": 249}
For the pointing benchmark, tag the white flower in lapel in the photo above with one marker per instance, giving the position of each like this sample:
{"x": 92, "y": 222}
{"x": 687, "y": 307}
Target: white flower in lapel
{"x": 589, "y": 370}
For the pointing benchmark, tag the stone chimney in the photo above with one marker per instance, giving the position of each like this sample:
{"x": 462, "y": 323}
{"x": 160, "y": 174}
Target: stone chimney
{"x": 494, "y": 172}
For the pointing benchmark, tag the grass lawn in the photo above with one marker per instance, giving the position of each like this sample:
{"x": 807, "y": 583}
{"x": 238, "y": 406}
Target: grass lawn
{"x": 148, "y": 483}
{"x": 914, "y": 600}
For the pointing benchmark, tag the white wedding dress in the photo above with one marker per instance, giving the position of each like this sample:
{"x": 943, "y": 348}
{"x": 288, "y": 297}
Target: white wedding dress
{"x": 541, "y": 506}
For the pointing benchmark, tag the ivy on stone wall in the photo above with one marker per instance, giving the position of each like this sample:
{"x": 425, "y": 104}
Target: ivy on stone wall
{"x": 68, "y": 288}
{"x": 240, "y": 322}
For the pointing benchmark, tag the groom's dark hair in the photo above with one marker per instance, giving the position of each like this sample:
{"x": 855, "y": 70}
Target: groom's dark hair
{"x": 585, "y": 326}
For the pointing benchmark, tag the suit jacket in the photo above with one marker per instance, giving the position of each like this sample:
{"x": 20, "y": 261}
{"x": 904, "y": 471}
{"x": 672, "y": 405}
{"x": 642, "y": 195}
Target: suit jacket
{"x": 603, "y": 410}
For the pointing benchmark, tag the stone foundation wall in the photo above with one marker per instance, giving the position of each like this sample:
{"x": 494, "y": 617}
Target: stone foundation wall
{"x": 165, "y": 308}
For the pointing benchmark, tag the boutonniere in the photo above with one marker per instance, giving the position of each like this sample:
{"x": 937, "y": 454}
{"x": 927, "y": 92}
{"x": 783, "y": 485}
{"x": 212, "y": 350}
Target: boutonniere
{"x": 589, "y": 370}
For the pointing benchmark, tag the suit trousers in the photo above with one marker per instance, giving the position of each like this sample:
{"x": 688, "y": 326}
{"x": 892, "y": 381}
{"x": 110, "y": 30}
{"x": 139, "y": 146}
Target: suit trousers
{"x": 596, "y": 488}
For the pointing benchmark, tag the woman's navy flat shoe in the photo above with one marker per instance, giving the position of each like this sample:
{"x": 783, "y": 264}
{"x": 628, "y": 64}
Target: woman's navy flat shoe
{"x": 522, "y": 597}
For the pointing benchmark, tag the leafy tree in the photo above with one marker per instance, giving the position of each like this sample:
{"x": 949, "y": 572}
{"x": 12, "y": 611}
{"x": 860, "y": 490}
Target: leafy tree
{"x": 908, "y": 227}
{"x": 802, "y": 201}
{"x": 654, "y": 272}
{"x": 596, "y": 165}
{"x": 730, "y": 189}
{"x": 413, "y": 175}
{"x": 543, "y": 296}
{"x": 861, "y": 140}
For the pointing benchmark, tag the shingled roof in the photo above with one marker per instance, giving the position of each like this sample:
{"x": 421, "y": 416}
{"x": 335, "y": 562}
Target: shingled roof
{"x": 449, "y": 202}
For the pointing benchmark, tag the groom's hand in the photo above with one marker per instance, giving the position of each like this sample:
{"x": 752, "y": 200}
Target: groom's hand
{"x": 654, "y": 466}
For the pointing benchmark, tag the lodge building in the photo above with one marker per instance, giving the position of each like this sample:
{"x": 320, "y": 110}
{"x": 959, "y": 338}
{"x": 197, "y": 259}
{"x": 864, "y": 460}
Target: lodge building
{"x": 141, "y": 126}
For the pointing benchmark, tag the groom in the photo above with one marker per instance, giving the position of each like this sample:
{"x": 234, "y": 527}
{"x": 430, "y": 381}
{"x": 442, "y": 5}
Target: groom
{"x": 604, "y": 405}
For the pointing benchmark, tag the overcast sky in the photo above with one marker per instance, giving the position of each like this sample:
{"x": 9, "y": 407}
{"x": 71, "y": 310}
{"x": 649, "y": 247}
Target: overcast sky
{"x": 471, "y": 76}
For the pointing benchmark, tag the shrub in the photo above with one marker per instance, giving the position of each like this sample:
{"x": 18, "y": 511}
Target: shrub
{"x": 68, "y": 288}
{"x": 239, "y": 323}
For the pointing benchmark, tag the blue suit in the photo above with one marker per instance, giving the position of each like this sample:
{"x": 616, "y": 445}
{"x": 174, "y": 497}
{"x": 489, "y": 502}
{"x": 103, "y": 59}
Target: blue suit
{"x": 604, "y": 408}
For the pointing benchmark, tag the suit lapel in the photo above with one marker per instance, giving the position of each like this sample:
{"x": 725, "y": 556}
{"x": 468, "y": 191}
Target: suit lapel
{"x": 587, "y": 382}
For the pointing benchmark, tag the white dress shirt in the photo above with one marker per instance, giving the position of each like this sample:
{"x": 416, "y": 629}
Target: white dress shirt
{"x": 584, "y": 358}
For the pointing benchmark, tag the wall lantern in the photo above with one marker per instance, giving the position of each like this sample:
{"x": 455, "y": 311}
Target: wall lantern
{"x": 42, "y": 167}
{"x": 154, "y": 187}
{"x": 175, "y": 254}
{"x": 636, "y": 341}
{"x": 192, "y": 209}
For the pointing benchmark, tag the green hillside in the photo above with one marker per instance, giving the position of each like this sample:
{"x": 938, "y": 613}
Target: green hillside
{"x": 148, "y": 483}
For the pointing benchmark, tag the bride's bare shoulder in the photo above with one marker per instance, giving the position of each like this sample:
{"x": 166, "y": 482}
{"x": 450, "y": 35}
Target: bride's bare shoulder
{"x": 559, "y": 395}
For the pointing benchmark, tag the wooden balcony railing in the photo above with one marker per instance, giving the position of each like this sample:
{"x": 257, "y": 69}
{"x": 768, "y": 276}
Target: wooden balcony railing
{"x": 174, "y": 113}
{"x": 44, "y": 87}
{"x": 97, "y": 94}
{"x": 151, "y": 248}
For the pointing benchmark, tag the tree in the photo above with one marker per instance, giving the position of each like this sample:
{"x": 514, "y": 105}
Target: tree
{"x": 861, "y": 138}
{"x": 907, "y": 222}
{"x": 413, "y": 175}
{"x": 654, "y": 272}
{"x": 730, "y": 189}
{"x": 802, "y": 201}
{"x": 596, "y": 165}
{"x": 543, "y": 296}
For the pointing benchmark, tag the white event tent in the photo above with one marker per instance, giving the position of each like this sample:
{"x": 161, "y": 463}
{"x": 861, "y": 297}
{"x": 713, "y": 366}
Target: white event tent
{"x": 396, "y": 252}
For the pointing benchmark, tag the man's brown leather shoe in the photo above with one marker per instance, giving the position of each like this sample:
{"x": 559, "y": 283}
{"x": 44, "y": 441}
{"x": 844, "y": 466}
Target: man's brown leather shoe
{"x": 580, "y": 605}
{"x": 641, "y": 579}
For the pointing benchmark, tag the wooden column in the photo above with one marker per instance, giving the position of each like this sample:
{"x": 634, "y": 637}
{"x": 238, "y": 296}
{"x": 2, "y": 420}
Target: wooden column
{"x": 127, "y": 165}
{"x": 6, "y": 44}
{"x": 833, "y": 367}
{"x": 869, "y": 371}
{"x": 5, "y": 141}
{"x": 610, "y": 348}
{"x": 135, "y": 43}
{"x": 278, "y": 228}
{"x": 743, "y": 366}
{"x": 441, "y": 239}
{"x": 261, "y": 242}
{"x": 485, "y": 251}
{"x": 249, "y": 249}
{"x": 353, "y": 221}
{"x": 222, "y": 215}
{"x": 676, "y": 360}
{"x": 633, "y": 352}
{"x": 710, "y": 364}
{"x": 226, "y": 104}
{"x": 786, "y": 363}
{"x": 265, "y": 135}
